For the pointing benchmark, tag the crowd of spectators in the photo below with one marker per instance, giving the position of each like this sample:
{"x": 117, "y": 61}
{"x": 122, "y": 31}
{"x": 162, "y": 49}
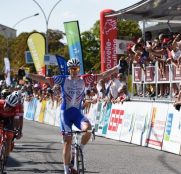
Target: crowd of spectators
{"x": 163, "y": 51}
{"x": 112, "y": 90}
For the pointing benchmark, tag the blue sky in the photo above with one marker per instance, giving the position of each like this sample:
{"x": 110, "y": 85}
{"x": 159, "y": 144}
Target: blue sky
{"x": 85, "y": 11}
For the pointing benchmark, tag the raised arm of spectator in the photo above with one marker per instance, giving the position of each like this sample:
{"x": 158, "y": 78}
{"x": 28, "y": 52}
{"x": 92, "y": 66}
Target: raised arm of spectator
{"x": 108, "y": 73}
{"x": 174, "y": 43}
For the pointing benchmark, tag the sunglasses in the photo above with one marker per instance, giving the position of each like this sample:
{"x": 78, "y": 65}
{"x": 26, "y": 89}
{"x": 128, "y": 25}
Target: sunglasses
{"x": 74, "y": 69}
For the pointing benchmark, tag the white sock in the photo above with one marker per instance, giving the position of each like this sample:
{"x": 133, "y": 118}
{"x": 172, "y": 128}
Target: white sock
{"x": 66, "y": 169}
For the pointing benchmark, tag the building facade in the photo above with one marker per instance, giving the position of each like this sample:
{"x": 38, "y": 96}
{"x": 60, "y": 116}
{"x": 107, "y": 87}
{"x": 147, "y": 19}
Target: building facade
{"x": 7, "y": 32}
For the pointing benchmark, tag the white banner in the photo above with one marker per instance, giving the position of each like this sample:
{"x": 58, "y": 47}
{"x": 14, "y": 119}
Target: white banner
{"x": 158, "y": 121}
{"x": 50, "y": 110}
{"x": 128, "y": 122}
{"x": 141, "y": 124}
{"x": 38, "y": 109}
{"x": 172, "y": 135}
{"x": 57, "y": 116}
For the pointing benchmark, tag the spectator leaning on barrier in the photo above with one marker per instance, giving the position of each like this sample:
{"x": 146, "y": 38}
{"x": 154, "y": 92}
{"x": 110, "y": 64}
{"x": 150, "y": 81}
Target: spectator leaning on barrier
{"x": 114, "y": 84}
{"x": 72, "y": 88}
{"x": 101, "y": 89}
{"x": 122, "y": 95}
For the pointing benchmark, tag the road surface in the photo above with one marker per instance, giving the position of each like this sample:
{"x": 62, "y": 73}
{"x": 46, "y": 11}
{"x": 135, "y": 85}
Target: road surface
{"x": 39, "y": 151}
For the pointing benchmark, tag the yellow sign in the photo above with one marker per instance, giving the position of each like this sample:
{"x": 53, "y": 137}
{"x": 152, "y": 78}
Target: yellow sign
{"x": 36, "y": 44}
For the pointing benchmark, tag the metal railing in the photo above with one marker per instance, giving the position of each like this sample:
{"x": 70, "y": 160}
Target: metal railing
{"x": 157, "y": 79}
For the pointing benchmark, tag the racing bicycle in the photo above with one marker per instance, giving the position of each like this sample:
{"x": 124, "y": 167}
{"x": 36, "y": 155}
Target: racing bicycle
{"x": 5, "y": 134}
{"x": 77, "y": 162}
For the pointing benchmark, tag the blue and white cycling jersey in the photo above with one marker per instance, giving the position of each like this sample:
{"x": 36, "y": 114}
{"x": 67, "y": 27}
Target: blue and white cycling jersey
{"x": 73, "y": 90}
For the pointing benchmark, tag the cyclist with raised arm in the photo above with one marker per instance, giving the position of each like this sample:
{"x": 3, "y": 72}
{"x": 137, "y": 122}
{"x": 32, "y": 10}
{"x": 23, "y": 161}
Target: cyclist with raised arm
{"x": 10, "y": 109}
{"x": 72, "y": 89}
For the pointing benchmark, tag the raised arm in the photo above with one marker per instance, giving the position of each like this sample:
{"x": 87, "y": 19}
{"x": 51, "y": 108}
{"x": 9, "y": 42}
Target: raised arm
{"x": 108, "y": 73}
{"x": 40, "y": 78}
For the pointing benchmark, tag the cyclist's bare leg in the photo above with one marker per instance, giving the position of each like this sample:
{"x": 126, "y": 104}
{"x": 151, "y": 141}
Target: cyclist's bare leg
{"x": 8, "y": 150}
{"x": 67, "y": 149}
{"x": 87, "y": 135}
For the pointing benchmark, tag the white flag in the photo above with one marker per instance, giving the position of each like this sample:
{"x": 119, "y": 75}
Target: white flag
{"x": 7, "y": 71}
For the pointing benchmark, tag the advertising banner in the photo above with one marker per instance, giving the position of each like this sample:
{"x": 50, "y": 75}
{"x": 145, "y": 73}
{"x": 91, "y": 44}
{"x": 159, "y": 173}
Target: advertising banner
{"x": 38, "y": 109}
{"x": 115, "y": 121}
{"x": 176, "y": 76}
{"x": 141, "y": 123}
{"x": 137, "y": 74}
{"x": 36, "y": 44}
{"x": 158, "y": 121}
{"x": 42, "y": 111}
{"x": 108, "y": 37}
{"x": 101, "y": 118}
{"x": 105, "y": 120}
{"x": 127, "y": 123}
{"x": 172, "y": 135}
{"x": 57, "y": 115}
{"x": 91, "y": 115}
{"x": 163, "y": 76}
{"x": 74, "y": 41}
{"x": 31, "y": 109}
{"x": 49, "y": 116}
{"x": 150, "y": 74}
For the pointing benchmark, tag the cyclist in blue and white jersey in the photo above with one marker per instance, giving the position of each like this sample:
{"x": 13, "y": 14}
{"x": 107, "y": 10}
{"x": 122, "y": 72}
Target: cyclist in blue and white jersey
{"x": 72, "y": 89}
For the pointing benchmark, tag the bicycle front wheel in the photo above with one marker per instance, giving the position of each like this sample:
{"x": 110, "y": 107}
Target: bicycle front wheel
{"x": 2, "y": 157}
{"x": 80, "y": 161}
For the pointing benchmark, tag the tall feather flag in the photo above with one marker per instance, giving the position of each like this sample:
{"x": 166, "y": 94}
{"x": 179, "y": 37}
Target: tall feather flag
{"x": 36, "y": 44}
{"x": 62, "y": 64}
{"x": 74, "y": 41}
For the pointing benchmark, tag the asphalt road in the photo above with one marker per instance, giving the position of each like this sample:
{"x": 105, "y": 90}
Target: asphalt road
{"x": 39, "y": 151}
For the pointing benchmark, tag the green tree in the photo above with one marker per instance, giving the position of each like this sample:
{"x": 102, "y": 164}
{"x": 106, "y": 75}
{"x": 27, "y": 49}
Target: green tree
{"x": 91, "y": 53}
{"x": 128, "y": 29}
{"x": 3, "y": 50}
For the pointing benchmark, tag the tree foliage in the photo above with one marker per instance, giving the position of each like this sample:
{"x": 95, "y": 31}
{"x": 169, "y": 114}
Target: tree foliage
{"x": 15, "y": 48}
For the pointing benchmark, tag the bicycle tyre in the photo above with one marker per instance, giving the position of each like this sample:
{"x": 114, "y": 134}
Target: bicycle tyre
{"x": 3, "y": 157}
{"x": 80, "y": 160}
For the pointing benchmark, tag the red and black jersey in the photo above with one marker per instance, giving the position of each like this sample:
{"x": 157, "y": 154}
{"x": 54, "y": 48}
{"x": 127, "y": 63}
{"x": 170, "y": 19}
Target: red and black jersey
{"x": 17, "y": 111}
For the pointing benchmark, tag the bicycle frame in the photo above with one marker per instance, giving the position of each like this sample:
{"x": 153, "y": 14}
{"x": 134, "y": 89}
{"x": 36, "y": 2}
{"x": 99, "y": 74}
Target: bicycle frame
{"x": 77, "y": 155}
{"x": 4, "y": 135}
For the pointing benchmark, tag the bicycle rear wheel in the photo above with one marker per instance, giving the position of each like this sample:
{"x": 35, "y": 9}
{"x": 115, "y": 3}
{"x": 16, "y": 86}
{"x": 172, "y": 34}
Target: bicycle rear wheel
{"x": 79, "y": 161}
{"x": 3, "y": 157}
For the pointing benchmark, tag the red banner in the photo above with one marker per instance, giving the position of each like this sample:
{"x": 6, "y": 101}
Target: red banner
{"x": 108, "y": 35}
{"x": 176, "y": 74}
{"x": 164, "y": 77}
{"x": 150, "y": 74}
{"x": 137, "y": 74}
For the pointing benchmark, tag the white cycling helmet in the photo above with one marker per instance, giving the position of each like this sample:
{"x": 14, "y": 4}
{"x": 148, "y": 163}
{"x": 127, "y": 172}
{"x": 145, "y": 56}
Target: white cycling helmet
{"x": 18, "y": 93}
{"x": 12, "y": 99}
{"x": 73, "y": 62}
